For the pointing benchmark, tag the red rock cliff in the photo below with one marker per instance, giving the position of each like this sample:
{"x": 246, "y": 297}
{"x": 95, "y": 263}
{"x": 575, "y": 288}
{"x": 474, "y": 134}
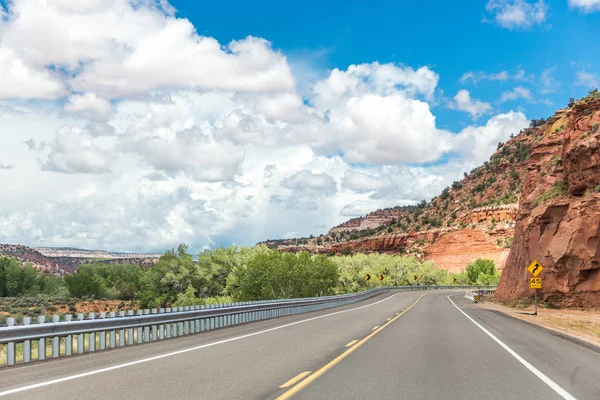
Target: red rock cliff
{"x": 558, "y": 222}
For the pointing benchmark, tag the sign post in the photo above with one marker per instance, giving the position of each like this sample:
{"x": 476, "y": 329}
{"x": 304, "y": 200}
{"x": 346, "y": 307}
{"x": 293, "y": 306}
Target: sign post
{"x": 535, "y": 268}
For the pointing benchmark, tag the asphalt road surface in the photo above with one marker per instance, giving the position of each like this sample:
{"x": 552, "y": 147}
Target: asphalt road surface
{"x": 409, "y": 345}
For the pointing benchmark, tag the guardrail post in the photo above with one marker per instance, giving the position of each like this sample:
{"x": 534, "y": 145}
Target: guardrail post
{"x": 121, "y": 331}
{"x": 174, "y": 326}
{"x": 154, "y": 334}
{"x": 130, "y": 330}
{"x": 140, "y": 338}
{"x": 168, "y": 326}
{"x": 102, "y": 333}
{"x": 68, "y": 338}
{"x": 42, "y": 342}
{"x": 146, "y": 328}
{"x": 80, "y": 337}
{"x": 112, "y": 334}
{"x": 27, "y": 343}
{"x": 161, "y": 327}
{"x": 180, "y": 331}
{"x": 197, "y": 321}
{"x": 92, "y": 335}
{"x": 186, "y": 324}
{"x": 55, "y": 340}
{"x": 10, "y": 347}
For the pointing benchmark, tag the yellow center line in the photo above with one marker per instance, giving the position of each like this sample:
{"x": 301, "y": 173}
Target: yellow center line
{"x": 352, "y": 343}
{"x": 375, "y": 327}
{"x": 301, "y": 385}
{"x": 295, "y": 379}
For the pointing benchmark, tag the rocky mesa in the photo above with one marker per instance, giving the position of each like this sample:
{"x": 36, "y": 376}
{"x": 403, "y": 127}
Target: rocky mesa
{"x": 61, "y": 261}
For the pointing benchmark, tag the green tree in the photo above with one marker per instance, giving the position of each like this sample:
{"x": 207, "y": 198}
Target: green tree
{"x": 482, "y": 272}
{"x": 86, "y": 283}
{"x": 276, "y": 275}
{"x": 17, "y": 280}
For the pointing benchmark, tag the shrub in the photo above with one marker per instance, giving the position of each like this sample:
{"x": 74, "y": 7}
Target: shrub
{"x": 445, "y": 194}
{"x": 479, "y": 188}
{"x": 559, "y": 189}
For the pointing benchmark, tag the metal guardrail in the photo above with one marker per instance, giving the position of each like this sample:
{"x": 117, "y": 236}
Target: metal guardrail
{"x": 477, "y": 295}
{"x": 85, "y": 335}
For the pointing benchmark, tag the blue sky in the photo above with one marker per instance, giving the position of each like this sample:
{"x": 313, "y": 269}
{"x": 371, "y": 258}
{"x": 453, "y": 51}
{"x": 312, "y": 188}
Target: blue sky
{"x": 452, "y": 40}
{"x": 138, "y": 125}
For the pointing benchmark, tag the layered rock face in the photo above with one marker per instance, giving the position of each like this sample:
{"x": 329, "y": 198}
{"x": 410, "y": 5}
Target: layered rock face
{"x": 451, "y": 248}
{"x": 558, "y": 222}
{"x": 455, "y": 250}
{"x": 371, "y": 220}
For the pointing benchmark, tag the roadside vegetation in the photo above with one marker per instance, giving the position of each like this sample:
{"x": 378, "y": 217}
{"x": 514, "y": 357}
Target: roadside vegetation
{"x": 221, "y": 275}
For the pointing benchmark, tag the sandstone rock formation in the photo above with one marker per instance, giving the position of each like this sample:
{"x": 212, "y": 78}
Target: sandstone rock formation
{"x": 558, "y": 222}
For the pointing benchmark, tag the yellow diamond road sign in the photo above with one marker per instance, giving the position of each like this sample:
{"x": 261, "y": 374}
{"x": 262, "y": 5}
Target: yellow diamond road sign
{"x": 535, "y": 268}
{"x": 535, "y": 283}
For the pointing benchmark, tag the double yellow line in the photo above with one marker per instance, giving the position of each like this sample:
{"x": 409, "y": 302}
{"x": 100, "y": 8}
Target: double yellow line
{"x": 311, "y": 378}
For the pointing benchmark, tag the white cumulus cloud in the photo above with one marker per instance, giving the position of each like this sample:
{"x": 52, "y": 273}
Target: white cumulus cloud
{"x": 149, "y": 134}
{"x": 73, "y": 151}
{"x": 89, "y": 106}
{"x": 517, "y": 93}
{"x": 23, "y": 81}
{"x": 119, "y": 48}
{"x": 363, "y": 183}
{"x": 304, "y": 180}
{"x": 517, "y": 14}
{"x": 586, "y": 6}
{"x": 464, "y": 102}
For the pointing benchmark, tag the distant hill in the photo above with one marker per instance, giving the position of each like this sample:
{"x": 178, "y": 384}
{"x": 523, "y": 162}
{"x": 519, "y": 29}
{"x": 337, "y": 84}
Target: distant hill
{"x": 61, "y": 261}
{"x": 83, "y": 253}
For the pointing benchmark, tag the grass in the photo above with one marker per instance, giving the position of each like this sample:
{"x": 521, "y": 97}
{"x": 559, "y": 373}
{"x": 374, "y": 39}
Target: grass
{"x": 583, "y": 326}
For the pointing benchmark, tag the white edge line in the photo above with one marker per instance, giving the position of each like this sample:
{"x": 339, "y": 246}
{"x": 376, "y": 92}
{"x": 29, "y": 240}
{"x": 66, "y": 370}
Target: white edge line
{"x": 144, "y": 360}
{"x": 553, "y": 385}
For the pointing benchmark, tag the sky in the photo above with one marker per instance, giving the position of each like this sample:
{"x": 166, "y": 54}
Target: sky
{"x": 136, "y": 125}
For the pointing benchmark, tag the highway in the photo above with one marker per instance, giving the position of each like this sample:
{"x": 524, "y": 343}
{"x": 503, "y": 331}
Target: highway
{"x": 408, "y": 345}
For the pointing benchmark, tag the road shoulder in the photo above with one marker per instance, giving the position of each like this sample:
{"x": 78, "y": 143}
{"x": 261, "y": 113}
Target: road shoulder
{"x": 573, "y": 325}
